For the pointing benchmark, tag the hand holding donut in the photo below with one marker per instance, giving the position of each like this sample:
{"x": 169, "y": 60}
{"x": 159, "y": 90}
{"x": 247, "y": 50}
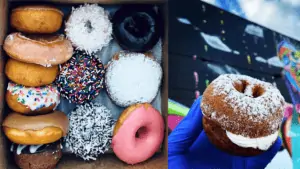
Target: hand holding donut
{"x": 189, "y": 147}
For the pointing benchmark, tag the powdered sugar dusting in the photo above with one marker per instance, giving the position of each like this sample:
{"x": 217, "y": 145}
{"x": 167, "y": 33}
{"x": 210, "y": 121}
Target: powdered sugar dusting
{"x": 133, "y": 78}
{"x": 89, "y": 28}
{"x": 91, "y": 129}
{"x": 263, "y": 106}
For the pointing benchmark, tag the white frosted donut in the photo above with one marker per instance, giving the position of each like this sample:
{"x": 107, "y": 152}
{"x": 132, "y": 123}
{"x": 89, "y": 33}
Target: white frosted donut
{"x": 133, "y": 78}
{"x": 89, "y": 28}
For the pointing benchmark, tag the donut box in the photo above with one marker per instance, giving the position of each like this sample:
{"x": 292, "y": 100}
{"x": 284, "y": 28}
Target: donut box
{"x": 82, "y": 80}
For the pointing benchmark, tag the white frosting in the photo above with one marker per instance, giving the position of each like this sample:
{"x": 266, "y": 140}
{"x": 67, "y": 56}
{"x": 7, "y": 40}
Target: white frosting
{"x": 262, "y": 143}
{"x": 35, "y": 97}
{"x": 33, "y": 148}
{"x": 20, "y": 148}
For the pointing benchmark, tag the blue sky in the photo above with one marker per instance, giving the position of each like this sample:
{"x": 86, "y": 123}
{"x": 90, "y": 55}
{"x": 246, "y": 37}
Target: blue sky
{"x": 282, "y": 16}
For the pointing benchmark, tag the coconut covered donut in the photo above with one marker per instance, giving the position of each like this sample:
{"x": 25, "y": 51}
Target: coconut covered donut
{"x": 91, "y": 129}
{"x": 32, "y": 100}
{"x": 143, "y": 78}
{"x": 81, "y": 78}
{"x": 242, "y": 115}
{"x": 89, "y": 28}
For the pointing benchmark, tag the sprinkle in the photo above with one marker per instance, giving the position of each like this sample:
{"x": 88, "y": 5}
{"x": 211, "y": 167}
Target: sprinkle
{"x": 33, "y": 97}
{"x": 79, "y": 76}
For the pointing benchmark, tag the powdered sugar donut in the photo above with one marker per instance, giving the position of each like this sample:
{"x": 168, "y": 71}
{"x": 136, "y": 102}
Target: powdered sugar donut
{"x": 132, "y": 78}
{"x": 90, "y": 131}
{"x": 242, "y": 115}
{"x": 31, "y": 100}
{"x": 89, "y": 28}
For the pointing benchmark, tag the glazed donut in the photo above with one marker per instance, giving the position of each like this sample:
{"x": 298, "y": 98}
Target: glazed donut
{"x": 242, "y": 115}
{"x": 35, "y": 130}
{"x": 32, "y": 100}
{"x": 138, "y": 133}
{"x": 81, "y": 78}
{"x": 29, "y": 74}
{"x": 36, "y": 19}
{"x": 91, "y": 128}
{"x": 89, "y": 28}
{"x": 45, "y": 50}
{"x": 143, "y": 78}
{"x": 137, "y": 27}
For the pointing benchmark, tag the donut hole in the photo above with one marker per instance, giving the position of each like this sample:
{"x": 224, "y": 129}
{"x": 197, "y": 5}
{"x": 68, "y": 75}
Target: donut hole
{"x": 257, "y": 91}
{"x": 241, "y": 86}
{"x": 138, "y": 25}
{"x": 89, "y": 27}
{"x": 141, "y": 133}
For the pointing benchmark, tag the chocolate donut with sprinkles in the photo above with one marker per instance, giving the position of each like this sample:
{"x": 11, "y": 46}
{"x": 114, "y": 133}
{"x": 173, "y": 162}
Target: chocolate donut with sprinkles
{"x": 81, "y": 78}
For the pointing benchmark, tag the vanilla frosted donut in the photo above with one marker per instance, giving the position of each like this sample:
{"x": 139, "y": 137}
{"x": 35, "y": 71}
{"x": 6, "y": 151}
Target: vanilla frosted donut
{"x": 132, "y": 78}
{"x": 242, "y": 115}
{"x": 89, "y": 28}
{"x": 30, "y": 100}
{"x": 45, "y": 50}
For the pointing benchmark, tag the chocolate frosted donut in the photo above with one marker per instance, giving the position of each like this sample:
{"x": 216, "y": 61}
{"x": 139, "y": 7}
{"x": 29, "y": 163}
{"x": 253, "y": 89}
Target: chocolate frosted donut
{"x": 137, "y": 27}
{"x": 242, "y": 115}
{"x": 37, "y": 156}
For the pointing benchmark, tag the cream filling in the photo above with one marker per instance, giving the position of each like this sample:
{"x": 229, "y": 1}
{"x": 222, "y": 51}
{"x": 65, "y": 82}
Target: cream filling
{"x": 262, "y": 143}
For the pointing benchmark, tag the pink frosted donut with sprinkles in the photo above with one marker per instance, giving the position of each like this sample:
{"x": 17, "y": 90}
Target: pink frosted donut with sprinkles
{"x": 81, "y": 78}
{"x": 32, "y": 100}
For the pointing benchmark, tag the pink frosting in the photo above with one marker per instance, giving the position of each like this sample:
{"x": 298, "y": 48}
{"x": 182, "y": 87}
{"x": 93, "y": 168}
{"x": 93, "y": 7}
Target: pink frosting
{"x": 134, "y": 150}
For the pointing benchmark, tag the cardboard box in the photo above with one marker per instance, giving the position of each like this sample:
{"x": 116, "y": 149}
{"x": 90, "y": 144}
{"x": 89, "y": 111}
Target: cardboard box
{"x": 107, "y": 161}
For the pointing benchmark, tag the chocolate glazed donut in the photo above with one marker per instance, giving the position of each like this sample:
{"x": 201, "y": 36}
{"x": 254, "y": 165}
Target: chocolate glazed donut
{"x": 137, "y": 27}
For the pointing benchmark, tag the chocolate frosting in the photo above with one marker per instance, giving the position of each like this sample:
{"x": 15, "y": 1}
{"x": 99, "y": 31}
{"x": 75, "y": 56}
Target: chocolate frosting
{"x": 55, "y": 119}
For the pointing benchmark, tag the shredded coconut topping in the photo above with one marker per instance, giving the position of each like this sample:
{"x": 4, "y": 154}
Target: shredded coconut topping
{"x": 133, "y": 78}
{"x": 89, "y": 28}
{"x": 90, "y": 131}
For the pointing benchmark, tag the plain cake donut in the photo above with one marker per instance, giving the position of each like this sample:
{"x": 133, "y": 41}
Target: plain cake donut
{"x": 242, "y": 115}
{"x": 36, "y": 19}
{"x": 29, "y": 74}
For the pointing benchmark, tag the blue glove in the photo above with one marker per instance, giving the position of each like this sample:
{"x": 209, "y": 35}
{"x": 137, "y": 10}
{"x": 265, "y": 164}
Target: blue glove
{"x": 189, "y": 148}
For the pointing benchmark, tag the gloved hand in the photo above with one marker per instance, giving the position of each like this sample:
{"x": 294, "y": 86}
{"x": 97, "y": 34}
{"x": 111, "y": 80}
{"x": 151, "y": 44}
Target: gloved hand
{"x": 189, "y": 148}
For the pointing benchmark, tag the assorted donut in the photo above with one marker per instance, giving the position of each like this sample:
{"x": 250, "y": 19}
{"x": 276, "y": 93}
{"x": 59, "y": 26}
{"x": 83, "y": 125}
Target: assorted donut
{"x": 46, "y": 66}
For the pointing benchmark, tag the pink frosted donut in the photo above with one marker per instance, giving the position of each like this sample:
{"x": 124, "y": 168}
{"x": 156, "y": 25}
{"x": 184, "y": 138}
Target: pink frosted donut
{"x": 138, "y": 133}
